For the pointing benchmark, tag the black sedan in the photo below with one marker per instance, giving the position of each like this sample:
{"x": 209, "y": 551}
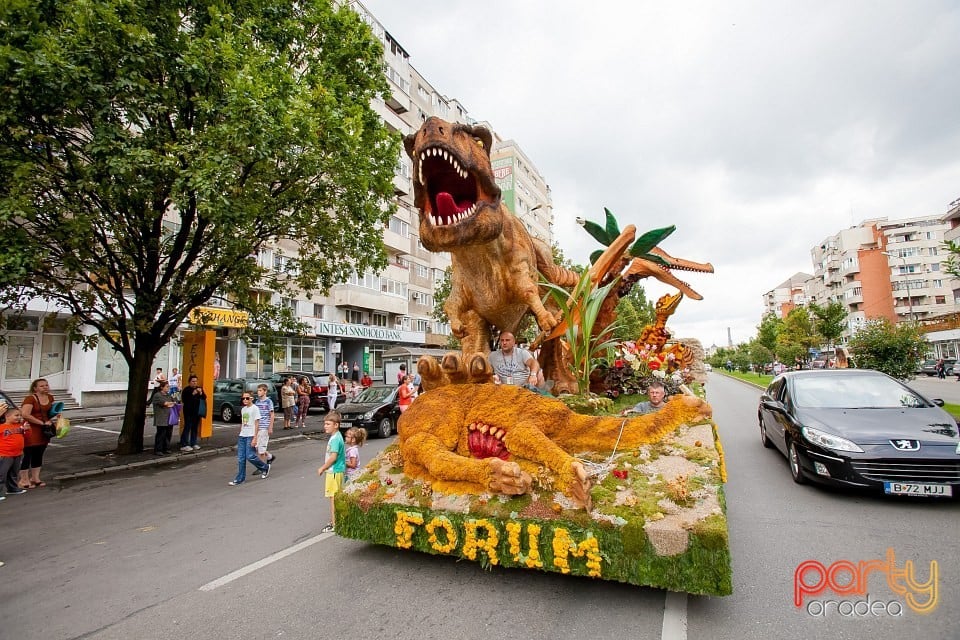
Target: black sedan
{"x": 376, "y": 409}
{"x": 861, "y": 428}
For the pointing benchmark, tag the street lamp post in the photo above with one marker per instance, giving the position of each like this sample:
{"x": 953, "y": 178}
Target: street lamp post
{"x": 906, "y": 281}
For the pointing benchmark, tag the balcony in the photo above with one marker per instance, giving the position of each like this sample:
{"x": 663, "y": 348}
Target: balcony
{"x": 395, "y": 241}
{"x": 362, "y": 298}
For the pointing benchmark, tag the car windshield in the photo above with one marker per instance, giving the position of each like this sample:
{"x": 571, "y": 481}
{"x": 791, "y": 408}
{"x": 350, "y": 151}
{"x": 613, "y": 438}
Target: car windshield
{"x": 374, "y": 394}
{"x": 853, "y": 392}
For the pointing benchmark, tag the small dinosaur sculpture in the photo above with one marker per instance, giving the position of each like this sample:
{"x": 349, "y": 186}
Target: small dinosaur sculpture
{"x": 495, "y": 438}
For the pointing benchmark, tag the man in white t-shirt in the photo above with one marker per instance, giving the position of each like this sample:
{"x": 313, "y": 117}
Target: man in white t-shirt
{"x": 511, "y": 364}
{"x": 249, "y": 421}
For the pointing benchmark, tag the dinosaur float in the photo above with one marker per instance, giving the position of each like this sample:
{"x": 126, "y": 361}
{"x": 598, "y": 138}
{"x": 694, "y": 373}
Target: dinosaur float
{"x": 657, "y": 336}
{"x": 501, "y": 475}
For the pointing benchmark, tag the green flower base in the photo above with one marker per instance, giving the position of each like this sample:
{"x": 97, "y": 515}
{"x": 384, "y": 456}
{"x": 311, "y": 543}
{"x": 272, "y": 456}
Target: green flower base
{"x": 658, "y": 518}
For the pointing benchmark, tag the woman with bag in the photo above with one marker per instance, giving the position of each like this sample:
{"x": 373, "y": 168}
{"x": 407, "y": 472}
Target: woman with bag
{"x": 162, "y": 404}
{"x": 36, "y": 411}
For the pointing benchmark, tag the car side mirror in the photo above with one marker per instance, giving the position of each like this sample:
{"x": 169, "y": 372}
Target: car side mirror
{"x": 938, "y": 402}
{"x": 772, "y": 405}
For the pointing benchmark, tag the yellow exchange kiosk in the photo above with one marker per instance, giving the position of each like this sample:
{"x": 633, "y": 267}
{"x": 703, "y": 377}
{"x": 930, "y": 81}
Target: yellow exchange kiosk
{"x": 198, "y": 355}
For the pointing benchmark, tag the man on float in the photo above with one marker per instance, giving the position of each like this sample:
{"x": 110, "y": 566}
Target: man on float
{"x": 513, "y": 365}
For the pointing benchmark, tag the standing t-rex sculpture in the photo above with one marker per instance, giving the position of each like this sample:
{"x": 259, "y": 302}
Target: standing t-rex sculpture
{"x": 495, "y": 261}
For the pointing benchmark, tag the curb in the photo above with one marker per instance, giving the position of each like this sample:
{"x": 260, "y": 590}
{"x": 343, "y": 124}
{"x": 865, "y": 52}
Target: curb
{"x": 179, "y": 457}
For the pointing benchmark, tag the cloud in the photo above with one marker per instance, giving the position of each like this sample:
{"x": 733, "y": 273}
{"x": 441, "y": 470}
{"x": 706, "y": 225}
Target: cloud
{"x": 759, "y": 129}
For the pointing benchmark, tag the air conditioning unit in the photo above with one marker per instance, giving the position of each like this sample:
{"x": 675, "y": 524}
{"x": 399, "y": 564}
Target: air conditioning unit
{"x": 416, "y": 296}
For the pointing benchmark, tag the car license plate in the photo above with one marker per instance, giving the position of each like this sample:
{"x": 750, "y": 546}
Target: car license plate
{"x": 347, "y": 425}
{"x": 911, "y": 489}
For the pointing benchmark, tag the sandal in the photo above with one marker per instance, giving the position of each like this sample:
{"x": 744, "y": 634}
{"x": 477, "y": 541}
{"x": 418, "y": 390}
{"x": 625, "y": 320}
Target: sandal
{"x": 40, "y": 484}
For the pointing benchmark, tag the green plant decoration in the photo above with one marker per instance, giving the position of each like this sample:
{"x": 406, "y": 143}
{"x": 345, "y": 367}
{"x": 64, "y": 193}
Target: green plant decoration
{"x": 581, "y": 308}
{"x": 639, "y": 249}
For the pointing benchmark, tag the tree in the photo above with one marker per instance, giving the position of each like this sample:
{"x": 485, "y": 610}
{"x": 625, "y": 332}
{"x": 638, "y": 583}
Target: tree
{"x": 149, "y": 150}
{"x": 829, "y": 321}
{"x": 796, "y": 337}
{"x": 759, "y": 354}
{"x": 893, "y": 349}
{"x": 634, "y": 312}
{"x": 441, "y": 291}
{"x": 768, "y": 330}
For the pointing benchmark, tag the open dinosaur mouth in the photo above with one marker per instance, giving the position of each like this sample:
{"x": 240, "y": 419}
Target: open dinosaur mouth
{"x": 485, "y": 441}
{"x": 452, "y": 192}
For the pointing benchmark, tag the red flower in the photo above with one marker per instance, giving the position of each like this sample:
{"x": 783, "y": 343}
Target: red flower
{"x": 654, "y": 364}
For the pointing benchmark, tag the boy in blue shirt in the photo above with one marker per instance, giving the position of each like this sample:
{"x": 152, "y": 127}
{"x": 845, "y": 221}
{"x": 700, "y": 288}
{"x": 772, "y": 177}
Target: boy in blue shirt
{"x": 335, "y": 464}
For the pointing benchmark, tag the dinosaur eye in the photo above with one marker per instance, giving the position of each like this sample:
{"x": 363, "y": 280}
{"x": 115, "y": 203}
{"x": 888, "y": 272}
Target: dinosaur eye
{"x": 479, "y": 142}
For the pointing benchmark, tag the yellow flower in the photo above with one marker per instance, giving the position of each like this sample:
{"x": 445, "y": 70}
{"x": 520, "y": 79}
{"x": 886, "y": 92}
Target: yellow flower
{"x": 442, "y": 522}
{"x": 403, "y": 529}
{"x": 472, "y": 543}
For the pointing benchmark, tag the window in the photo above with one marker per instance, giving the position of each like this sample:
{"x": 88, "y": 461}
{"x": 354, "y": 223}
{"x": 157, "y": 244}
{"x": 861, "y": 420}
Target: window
{"x": 423, "y": 325}
{"x": 935, "y": 266}
{"x": 399, "y": 226}
{"x": 317, "y": 310}
{"x": 378, "y": 319}
{"x": 354, "y": 316}
{"x": 423, "y": 271}
{"x": 393, "y": 287}
{"x": 936, "y": 283}
{"x": 289, "y": 303}
{"x": 940, "y": 299}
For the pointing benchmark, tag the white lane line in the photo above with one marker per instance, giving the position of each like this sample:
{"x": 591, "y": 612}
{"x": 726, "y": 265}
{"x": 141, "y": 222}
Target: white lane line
{"x": 83, "y": 426}
{"x": 674, "y": 617}
{"x": 259, "y": 564}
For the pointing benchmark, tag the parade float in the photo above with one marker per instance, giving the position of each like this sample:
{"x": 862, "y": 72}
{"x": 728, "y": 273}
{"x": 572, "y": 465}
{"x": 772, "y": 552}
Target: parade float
{"x": 508, "y": 476}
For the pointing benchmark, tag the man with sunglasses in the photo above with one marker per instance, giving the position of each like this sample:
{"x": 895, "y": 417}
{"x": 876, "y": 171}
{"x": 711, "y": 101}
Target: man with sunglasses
{"x": 249, "y": 421}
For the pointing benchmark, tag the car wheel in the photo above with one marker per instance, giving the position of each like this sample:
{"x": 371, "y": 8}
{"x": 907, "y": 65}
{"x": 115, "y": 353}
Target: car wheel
{"x": 796, "y": 471}
{"x": 226, "y": 413}
{"x": 764, "y": 440}
{"x": 385, "y": 428}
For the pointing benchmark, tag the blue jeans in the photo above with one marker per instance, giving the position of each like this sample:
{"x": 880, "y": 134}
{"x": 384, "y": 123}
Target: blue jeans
{"x": 245, "y": 454}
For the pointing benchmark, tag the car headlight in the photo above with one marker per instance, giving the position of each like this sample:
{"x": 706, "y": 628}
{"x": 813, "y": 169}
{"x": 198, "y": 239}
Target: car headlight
{"x": 369, "y": 415}
{"x": 829, "y": 441}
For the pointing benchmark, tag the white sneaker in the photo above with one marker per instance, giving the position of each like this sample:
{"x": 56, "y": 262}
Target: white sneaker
{"x": 196, "y": 447}
{"x": 186, "y": 449}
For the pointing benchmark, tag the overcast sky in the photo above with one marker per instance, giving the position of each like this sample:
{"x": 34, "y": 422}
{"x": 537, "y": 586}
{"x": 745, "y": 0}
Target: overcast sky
{"x": 757, "y": 128}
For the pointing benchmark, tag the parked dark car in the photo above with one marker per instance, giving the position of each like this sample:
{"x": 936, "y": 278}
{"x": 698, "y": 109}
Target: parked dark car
{"x": 929, "y": 367}
{"x": 227, "y": 392}
{"x": 376, "y": 409}
{"x": 861, "y": 428}
{"x": 318, "y": 386}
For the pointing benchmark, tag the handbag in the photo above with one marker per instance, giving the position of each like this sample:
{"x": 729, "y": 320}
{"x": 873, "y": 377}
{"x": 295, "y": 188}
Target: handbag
{"x": 49, "y": 431}
{"x": 202, "y": 408}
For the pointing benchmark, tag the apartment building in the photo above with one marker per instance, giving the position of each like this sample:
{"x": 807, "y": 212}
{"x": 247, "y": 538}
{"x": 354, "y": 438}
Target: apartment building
{"x": 943, "y": 331}
{"x": 787, "y": 296}
{"x": 879, "y": 268}
{"x": 356, "y": 321}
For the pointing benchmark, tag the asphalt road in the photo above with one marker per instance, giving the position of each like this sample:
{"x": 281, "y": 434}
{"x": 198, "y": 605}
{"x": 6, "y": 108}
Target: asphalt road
{"x": 174, "y": 552}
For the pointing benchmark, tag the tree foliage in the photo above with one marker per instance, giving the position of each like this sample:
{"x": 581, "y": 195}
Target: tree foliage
{"x": 893, "y": 349}
{"x": 149, "y": 150}
{"x": 768, "y": 330}
{"x": 796, "y": 337}
{"x": 829, "y": 321}
{"x": 634, "y": 312}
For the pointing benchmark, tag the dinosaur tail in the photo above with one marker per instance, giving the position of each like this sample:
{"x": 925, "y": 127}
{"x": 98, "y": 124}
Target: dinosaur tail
{"x": 553, "y": 272}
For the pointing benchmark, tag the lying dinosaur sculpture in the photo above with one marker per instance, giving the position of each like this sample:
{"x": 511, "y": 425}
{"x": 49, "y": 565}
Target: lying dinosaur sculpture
{"x": 494, "y": 438}
{"x": 495, "y": 260}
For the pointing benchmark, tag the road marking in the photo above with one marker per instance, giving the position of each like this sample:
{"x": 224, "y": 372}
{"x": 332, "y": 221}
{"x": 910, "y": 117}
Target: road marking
{"x": 259, "y": 564}
{"x": 674, "y": 617}
{"x": 83, "y": 426}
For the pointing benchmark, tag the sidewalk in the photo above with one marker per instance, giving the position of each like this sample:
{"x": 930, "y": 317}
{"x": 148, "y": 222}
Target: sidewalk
{"x": 92, "y": 458}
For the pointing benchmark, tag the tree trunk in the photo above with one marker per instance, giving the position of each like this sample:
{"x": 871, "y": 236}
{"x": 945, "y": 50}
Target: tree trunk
{"x": 134, "y": 417}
